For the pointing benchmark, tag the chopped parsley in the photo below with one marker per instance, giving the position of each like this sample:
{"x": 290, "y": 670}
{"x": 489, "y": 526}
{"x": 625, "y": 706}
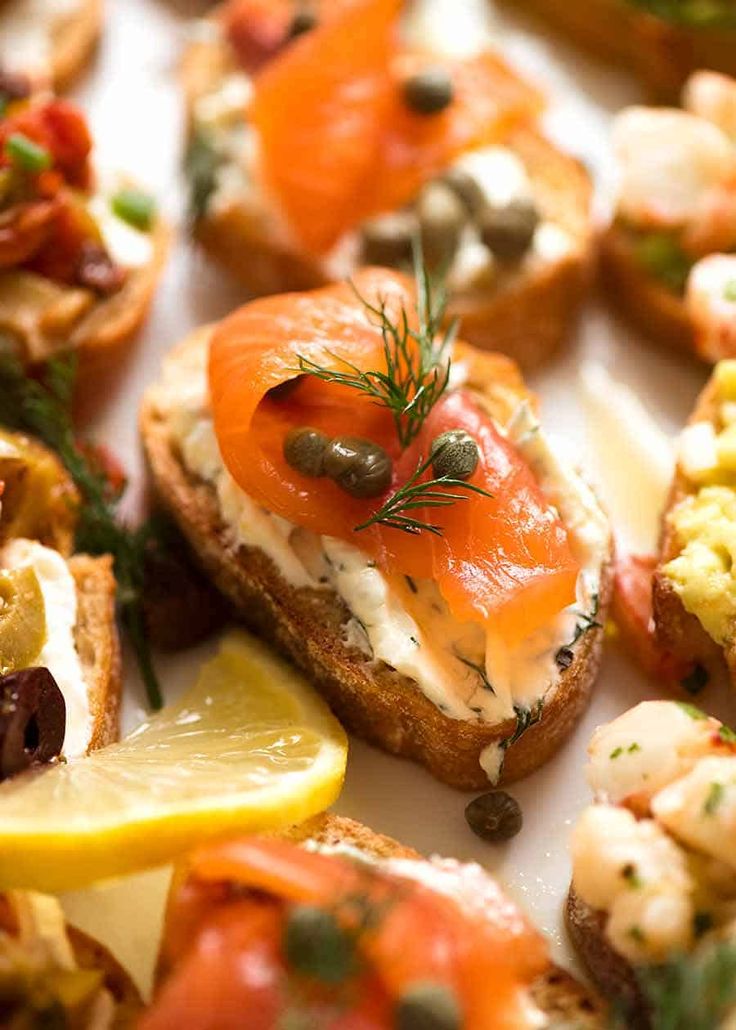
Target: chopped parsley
{"x": 631, "y": 876}
{"x": 691, "y": 710}
{"x": 727, "y": 735}
{"x": 620, "y": 750}
{"x": 664, "y": 259}
{"x": 714, "y": 798}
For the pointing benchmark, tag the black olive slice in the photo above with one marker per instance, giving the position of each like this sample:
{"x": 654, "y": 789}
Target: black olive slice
{"x": 32, "y": 720}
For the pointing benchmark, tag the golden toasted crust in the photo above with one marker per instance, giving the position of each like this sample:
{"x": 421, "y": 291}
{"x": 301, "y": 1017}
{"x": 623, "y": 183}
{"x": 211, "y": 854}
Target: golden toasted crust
{"x": 370, "y": 698}
{"x": 73, "y": 41}
{"x": 611, "y": 973}
{"x": 527, "y": 316}
{"x": 558, "y": 995}
{"x": 679, "y": 631}
{"x": 96, "y": 640}
{"x": 662, "y": 54}
{"x": 90, "y": 954}
{"x": 650, "y": 306}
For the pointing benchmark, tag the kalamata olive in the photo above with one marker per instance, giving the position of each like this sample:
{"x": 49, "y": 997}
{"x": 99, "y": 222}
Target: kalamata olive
{"x": 362, "y": 468}
{"x": 304, "y": 450}
{"x": 429, "y": 91}
{"x": 388, "y": 239}
{"x": 495, "y": 816}
{"x": 32, "y": 720}
{"x": 428, "y": 1006}
{"x": 508, "y": 231}
{"x": 303, "y": 21}
{"x": 316, "y": 945}
{"x": 467, "y": 188}
{"x": 441, "y": 220}
{"x": 454, "y": 454}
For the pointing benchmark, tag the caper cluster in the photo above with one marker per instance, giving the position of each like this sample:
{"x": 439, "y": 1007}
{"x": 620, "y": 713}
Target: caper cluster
{"x": 441, "y": 213}
{"x": 360, "y": 467}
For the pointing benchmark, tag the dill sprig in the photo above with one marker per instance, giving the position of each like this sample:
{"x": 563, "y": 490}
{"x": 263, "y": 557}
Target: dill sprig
{"x": 416, "y": 494}
{"x": 417, "y": 362}
{"x": 43, "y": 408}
{"x": 691, "y": 992}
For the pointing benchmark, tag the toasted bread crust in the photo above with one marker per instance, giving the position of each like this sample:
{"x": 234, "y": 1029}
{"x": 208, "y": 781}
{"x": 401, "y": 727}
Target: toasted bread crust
{"x": 90, "y": 954}
{"x": 646, "y": 303}
{"x": 74, "y": 41}
{"x": 528, "y": 315}
{"x": 678, "y": 630}
{"x": 556, "y": 993}
{"x": 660, "y": 53}
{"x": 611, "y": 972}
{"x": 96, "y": 640}
{"x": 370, "y": 698}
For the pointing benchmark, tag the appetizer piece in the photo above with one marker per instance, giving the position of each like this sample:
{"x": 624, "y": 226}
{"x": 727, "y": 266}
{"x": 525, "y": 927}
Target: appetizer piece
{"x": 378, "y": 500}
{"x": 663, "y": 41}
{"x": 78, "y": 264}
{"x": 338, "y": 926}
{"x": 652, "y": 907}
{"x": 250, "y": 748}
{"x": 298, "y": 177}
{"x": 664, "y": 259}
{"x": 694, "y": 585}
{"x": 49, "y": 40}
{"x": 59, "y": 654}
{"x": 52, "y": 974}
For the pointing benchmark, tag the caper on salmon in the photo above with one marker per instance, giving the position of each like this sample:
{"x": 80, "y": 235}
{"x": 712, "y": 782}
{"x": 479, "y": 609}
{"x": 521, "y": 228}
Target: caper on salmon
{"x": 32, "y": 720}
{"x": 454, "y": 454}
{"x": 467, "y": 189}
{"x": 362, "y": 468}
{"x": 388, "y": 239}
{"x": 428, "y": 91}
{"x": 304, "y": 450}
{"x": 315, "y": 945}
{"x": 508, "y": 231}
{"x": 442, "y": 217}
{"x": 494, "y": 816}
{"x": 428, "y": 1006}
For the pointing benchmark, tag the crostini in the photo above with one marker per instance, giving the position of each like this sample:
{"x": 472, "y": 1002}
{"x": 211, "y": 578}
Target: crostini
{"x": 78, "y": 264}
{"x": 296, "y": 180}
{"x": 48, "y": 40}
{"x": 694, "y": 591}
{"x": 663, "y": 41}
{"x": 59, "y": 652}
{"x": 665, "y": 259}
{"x": 337, "y": 925}
{"x": 654, "y": 867}
{"x": 378, "y": 499}
{"x": 52, "y": 974}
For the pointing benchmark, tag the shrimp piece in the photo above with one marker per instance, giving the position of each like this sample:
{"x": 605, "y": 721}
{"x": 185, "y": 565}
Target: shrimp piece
{"x": 712, "y": 96}
{"x": 710, "y": 297}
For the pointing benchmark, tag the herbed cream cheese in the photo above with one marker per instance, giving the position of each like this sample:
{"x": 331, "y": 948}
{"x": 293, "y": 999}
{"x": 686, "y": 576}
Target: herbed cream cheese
{"x": 26, "y": 32}
{"x": 466, "y": 673}
{"x": 59, "y": 654}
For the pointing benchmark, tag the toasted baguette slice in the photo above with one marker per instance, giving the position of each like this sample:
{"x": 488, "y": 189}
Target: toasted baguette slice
{"x": 611, "y": 972}
{"x": 564, "y": 1001}
{"x": 369, "y": 697}
{"x": 527, "y": 315}
{"x": 72, "y": 36}
{"x": 679, "y": 631}
{"x": 653, "y": 309}
{"x": 659, "y": 52}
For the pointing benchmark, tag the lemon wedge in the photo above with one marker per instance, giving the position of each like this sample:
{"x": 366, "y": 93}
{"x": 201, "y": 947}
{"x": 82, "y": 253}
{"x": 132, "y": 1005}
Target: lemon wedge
{"x": 250, "y": 747}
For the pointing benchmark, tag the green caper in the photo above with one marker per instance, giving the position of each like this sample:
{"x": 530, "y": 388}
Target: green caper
{"x": 467, "y": 189}
{"x": 316, "y": 945}
{"x": 441, "y": 220}
{"x": 362, "y": 468}
{"x": 495, "y": 816}
{"x": 388, "y": 239}
{"x": 304, "y": 20}
{"x": 454, "y": 454}
{"x": 304, "y": 450}
{"x": 428, "y": 1006}
{"x": 429, "y": 91}
{"x": 508, "y": 231}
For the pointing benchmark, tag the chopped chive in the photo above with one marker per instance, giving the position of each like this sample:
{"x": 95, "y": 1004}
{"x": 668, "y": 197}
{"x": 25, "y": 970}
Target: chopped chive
{"x": 26, "y": 154}
{"x": 136, "y": 208}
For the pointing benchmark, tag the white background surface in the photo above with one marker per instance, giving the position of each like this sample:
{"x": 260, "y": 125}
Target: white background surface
{"x": 133, "y": 102}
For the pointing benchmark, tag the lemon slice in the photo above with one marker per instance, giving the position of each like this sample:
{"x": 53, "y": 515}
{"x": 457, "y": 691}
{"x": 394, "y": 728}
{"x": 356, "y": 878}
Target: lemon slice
{"x": 251, "y": 747}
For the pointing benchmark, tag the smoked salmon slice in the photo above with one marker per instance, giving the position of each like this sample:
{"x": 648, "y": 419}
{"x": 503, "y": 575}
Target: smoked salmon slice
{"x": 502, "y": 560}
{"x": 338, "y": 143}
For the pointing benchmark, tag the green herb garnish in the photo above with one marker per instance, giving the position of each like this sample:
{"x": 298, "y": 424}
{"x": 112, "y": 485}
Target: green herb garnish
{"x": 27, "y": 155}
{"x": 694, "y": 13}
{"x": 727, "y": 735}
{"x": 200, "y": 167}
{"x": 714, "y": 798}
{"x": 417, "y": 494}
{"x": 691, "y": 710}
{"x": 134, "y": 207}
{"x": 691, "y": 992}
{"x": 43, "y": 407}
{"x": 417, "y": 362}
{"x": 663, "y": 257}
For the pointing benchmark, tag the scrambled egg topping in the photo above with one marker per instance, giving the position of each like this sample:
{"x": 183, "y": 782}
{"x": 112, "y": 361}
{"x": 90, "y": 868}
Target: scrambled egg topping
{"x": 704, "y": 573}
